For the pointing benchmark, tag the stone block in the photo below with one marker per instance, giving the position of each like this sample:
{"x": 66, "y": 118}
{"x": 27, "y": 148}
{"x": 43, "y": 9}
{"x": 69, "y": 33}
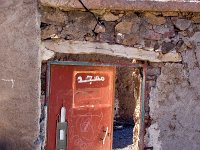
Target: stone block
{"x": 124, "y": 27}
{"x": 167, "y": 46}
{"x": 170, "y": 14}
{"x": 99, "y": 28}
{"x": 182, "y": 24}
{"x": 78, "y": 24}
{"x": 108, "y": 16}
{"x": 154, "y": 20}
{"x": 53, "y": 16}
{"x": 151, "y": 35}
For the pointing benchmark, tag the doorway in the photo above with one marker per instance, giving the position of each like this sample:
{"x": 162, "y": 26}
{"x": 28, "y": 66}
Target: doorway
{"x": 123, "y": 117}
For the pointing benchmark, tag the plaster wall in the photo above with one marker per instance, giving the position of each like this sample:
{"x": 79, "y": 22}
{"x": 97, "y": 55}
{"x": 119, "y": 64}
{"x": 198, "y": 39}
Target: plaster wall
{"x": 19, "y": 75}
{"x": 174, "y": 104}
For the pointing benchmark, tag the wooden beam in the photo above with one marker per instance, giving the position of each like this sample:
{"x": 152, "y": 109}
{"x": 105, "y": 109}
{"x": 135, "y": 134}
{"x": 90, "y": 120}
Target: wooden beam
{"x": 85, "y": 47}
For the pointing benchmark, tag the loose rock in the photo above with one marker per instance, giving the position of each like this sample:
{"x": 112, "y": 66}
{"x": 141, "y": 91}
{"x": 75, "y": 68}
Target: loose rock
{"x": 196, "y": 19}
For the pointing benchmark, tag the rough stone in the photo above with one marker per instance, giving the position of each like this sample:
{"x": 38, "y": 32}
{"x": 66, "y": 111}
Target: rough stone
{"x": 99, "y": 29}
{"x": 131, "y": 17}
{"x": 124, "y": 27}
{"x": 169, "y": 35}
{"x": 182, "y": 5}
{"x": 54, "y": 17}
{"x": 162, "y": 29}
{"x": 196, "y": 19}
{"x": 19, "y": 75}
{"x": 109, "y": 35}
{"x": 119, "y": 38}
{"x": 108, "y": 16}
{"x": 154, "y": 20}
{"x": 187, "y": 42}
{"x": 105, "y": 37}
{"x": 131, "y": 39}
{"x": 142, "y": 39}
{"x": 78, "y": 24}
{"x": 46, "y": 54}
{"x": 170, "y": 14}
{"x": 182, "y": 24}
{"x": 151, "y": 45}
{"x": 50, "y": 32}
{"x": 166, "y": 47}
{"x": 174, "y": 106}
{"x": 134, "y": 19}
{"x": 151, "y": 35}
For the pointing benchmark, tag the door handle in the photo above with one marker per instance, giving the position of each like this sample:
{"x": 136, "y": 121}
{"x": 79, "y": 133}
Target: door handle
{"x": 105, "y": 135}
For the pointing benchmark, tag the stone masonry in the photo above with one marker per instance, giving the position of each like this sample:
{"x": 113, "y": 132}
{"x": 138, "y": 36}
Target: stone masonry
{"x": 172, "y": 109}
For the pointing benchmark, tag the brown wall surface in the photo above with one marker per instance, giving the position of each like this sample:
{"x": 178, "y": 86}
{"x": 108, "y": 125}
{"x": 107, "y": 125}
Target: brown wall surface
{"x": 19, "y": 75}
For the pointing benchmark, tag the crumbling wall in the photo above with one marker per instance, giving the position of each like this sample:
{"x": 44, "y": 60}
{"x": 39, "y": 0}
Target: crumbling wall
{"x": 19, "y": 75}
{"x": 174, "y": 103}
{"x": 127, "y": 92}
{"x": 171, "y": 115}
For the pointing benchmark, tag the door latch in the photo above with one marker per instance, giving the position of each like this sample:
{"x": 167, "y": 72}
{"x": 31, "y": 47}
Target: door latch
{"x": 105, "y": 135}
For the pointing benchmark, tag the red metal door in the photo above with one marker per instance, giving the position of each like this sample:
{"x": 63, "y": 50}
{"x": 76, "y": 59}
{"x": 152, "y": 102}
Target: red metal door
{"x": 87, "y": 93}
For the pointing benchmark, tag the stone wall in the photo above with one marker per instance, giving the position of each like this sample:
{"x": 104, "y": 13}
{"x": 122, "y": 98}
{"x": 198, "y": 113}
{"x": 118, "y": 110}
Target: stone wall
{"x": 174, "y": 104}
{"x": 171, "y": 109}
{"x": 19, "y": 75}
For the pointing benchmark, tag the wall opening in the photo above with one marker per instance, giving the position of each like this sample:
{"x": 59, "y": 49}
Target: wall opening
{"x": 127, "y": 93}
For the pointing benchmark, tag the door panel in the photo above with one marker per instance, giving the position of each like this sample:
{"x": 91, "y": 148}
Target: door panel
{"x": 87, "y": 93}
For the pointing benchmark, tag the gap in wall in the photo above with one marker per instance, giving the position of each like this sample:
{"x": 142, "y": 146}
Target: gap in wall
{"x": 126, "y": 92}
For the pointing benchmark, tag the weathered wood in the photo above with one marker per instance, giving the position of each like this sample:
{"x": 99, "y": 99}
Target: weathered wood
{"x": 84, "y": 47}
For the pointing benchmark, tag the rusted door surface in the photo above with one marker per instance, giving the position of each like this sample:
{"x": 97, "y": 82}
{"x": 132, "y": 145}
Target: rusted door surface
{"x": 87, "y": 93}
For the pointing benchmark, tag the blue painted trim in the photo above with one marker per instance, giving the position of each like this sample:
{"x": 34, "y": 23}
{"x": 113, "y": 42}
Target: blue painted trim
{"x": 143, "y": 98}
{"x": 80, "y": 63}
{"x": 48, "y": 82}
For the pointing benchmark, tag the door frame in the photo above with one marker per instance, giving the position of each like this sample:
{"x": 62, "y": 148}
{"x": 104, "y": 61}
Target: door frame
{"x": 143, "y": 94}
